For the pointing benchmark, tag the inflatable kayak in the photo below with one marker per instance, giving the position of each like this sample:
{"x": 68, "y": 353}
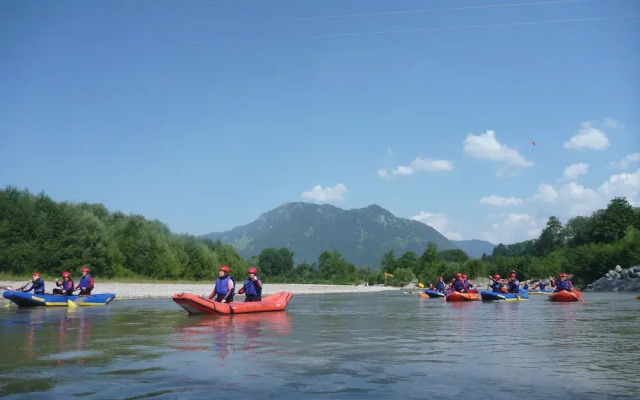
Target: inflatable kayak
{"x": 195, "y": 304}
{"x": 489, "y": 295}
{"x": 459, "y": 296}
{"x": 28, "y": 299}
{"x": 566, "y": 296}
{"x": 538, "y": 291}
{"x": 434, "y": 293}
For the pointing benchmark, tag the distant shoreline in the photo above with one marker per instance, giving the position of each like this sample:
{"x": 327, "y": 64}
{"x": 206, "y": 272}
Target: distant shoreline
{"x": 128, "y": 291}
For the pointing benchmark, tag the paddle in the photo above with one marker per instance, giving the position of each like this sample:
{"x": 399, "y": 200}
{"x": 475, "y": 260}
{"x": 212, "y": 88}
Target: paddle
{"x": 577, "y": 297}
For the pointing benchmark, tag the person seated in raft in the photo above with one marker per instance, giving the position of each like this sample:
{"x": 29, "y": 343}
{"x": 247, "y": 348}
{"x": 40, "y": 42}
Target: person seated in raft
{"x": 37, "y": 284}
{"x": 86, "y": 282}
{"x": 514, "y": 284}
{"x": 66, "y": 285}
{"x": 252, "y": 288}
{"x": 540, "y": 285}
{"x": 225, "y": 286}
{"x": 562, "y": 284}
{"x": 496, "y": 284}
{"x": 459, "y": 285}
{"x": 431, "y": 287}
{"x": 440, "y": 287}
{"x": 467, "y": 283}
{"x": 525, "y": 286}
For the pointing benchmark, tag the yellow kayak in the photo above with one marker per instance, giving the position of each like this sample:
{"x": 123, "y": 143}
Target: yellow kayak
{"x": 637, "y": 297}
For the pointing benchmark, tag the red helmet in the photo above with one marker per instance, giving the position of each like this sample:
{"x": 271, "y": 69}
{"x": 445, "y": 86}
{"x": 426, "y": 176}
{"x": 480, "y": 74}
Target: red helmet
{"x": 225, "y": 269}
{"x": 496, "y": 276}
{"x": 66, "y": 274}
{"x": 86, "y": 269}
{"x": 563, "y": 274}
{"x": 458, "y": 275}
{"x": 513, "y": 274}
{"x": 36, "y": 274}
{"x": 253, "y": 271}
{"x": 464, "y": 276}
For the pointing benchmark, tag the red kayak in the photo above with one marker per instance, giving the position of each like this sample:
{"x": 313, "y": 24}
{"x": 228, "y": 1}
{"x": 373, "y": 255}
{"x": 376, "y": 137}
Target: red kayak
{"x": 459, "y": 296}
{"x": 195, "y": 304}
{"x": 566, "y": 296}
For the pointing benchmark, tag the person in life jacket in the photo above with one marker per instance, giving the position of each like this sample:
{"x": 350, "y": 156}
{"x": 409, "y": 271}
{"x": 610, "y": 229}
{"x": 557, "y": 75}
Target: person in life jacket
{"x": 252, "y": 288}
{"x": 458, "y": 284}
{"x": 466, "y": 281}
{"x": 37, "y": 284}
{"x": 525, "y": 286}
{"x": 440, "y": 287}
{"x": 86, "y": 282}
{"x": 496, "y": 284}
{"x": 225, "y": 287}
{"x": 562, "y": 284}
{"x": 540, "y": 285}
{"x": 66, "y": 286}
{"x": 514, "y": 284}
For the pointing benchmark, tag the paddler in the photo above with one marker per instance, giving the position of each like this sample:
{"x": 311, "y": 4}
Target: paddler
{"x": 514, "y": 284}
{"x": 540, "y": 285}
{"x": 86, "y": 282}
{"x": 563, "y": 284}
{"x": 37, "y": 284}
{"x": 66, "y": 286}
{"x": 458, "y": 284}
{"x": 496, "y": 284}
{"x": 252, "y": 288}
{"x": 225, "y": 286}
{"x": 441, "y": 286}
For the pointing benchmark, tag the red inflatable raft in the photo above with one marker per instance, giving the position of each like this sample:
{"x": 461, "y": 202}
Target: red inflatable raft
{"x": 195, "y": 304}
{"x": 459, "y": 296}
{"x": 566, "y": 296}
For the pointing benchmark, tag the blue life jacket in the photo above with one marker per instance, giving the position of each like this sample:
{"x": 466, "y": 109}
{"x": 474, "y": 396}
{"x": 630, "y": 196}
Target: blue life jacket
{"x": 563, "y": 285}
{"x": 458, "y": 286}
{"x": 251, "y": 289}
{"x": 542, "y": 285}
{"x": 440, "y": 287}
{"x": 497, "y": 287}
{"x": 222, "y": 286}
{"x": 37, "y": 287}
{"x": 526, "y": 286}
{"x": 514, "y": 286}
{"x": 67, "y": 286}
{"x": 85, "y": 281}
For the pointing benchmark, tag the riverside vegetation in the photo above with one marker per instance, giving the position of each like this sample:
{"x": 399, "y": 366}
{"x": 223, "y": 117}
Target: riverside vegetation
{"x": 37, "y": 233}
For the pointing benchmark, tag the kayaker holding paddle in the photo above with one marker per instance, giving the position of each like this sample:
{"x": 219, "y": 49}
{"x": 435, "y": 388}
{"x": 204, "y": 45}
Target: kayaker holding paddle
{"x": 514, "y": 284}
{"x": 225, "y": 286}
{"x": 562, "y": 284}
{"x": 37, "y": 284}
{"x": 540, "y": 285}
{"x": 66, "y": 285}
{"x": 252, "y": 288}
{"x": 459, "y": 285}
{"x": 441, "y": 286}
{"x": 496, "y": 283}
{"x": 86, "y": 282}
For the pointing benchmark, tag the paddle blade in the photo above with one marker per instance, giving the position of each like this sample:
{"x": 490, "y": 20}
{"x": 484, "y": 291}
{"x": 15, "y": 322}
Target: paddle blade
{"x": 71, "y": 304}
{"x": 8, "y": 304}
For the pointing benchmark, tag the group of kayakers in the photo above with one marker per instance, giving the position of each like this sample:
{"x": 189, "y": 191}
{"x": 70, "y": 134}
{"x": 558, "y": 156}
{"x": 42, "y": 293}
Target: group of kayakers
{"x": 510, "y": 284}
{"x": 65, "y": 287}
{"x": 225, "y": 287}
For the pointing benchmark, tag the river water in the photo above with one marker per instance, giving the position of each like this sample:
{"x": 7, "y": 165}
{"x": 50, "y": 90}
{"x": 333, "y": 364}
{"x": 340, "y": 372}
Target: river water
{"x": 349, "y": 346}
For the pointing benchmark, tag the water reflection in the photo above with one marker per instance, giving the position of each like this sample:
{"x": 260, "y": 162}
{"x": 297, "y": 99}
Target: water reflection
{"x": 225, "y": 334}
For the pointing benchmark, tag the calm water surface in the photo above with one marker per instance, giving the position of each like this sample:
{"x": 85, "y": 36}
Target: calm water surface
{"x": 385, "y": 345}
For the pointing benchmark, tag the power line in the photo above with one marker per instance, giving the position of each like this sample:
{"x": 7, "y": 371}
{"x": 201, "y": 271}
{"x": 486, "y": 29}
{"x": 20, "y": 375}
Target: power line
{"x": 399, "y": 12}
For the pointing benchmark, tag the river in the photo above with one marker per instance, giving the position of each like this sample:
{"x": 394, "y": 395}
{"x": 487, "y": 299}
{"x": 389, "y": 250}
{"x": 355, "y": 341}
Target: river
{"x": 347, "y": 346}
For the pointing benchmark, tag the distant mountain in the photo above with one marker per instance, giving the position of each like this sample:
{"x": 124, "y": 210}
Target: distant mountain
{"x": 474, "y": 248}
{"x": 362, "y": 235}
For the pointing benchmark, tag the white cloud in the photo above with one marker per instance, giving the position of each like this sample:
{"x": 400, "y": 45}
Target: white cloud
{"x": 417, "y": 165}
{"x": 588, "y": 137}
{"x": 500, "y": 201}
{"x": 626, "y": 161}
{"x": 610, "y": 123}
{"x": 546, "y": 193}
{"x": 486, "y": 146}
{"x": 320, "y": 194}
{"x": 622, "y": 185}
{"x": 437, "y": 221}
{"x": 574, "y": 170}
{"x": 513, "y": 228}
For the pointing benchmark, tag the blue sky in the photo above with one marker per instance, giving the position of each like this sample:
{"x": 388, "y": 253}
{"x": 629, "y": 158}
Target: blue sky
{"x": 205, "y": 114}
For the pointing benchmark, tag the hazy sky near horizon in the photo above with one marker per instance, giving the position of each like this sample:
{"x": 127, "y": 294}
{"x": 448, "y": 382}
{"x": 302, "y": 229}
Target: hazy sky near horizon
{"x": 205, "y": 114}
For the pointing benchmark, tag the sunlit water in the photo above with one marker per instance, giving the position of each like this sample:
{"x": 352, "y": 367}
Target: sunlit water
{"x": 385, "y": 345}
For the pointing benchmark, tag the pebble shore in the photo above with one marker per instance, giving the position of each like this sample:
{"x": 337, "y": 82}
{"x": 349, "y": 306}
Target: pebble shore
{"x": 167, "y": 290}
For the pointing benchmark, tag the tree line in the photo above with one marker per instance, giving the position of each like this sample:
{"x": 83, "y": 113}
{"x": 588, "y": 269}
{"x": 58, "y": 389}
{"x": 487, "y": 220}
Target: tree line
{"x": 37, "y": 233}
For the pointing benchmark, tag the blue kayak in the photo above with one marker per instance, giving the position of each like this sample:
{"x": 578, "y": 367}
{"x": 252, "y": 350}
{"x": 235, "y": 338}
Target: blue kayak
{"x": 489, "y": 295}
{"x": 28, "y": 299}
{"x": 434, "y": 293}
